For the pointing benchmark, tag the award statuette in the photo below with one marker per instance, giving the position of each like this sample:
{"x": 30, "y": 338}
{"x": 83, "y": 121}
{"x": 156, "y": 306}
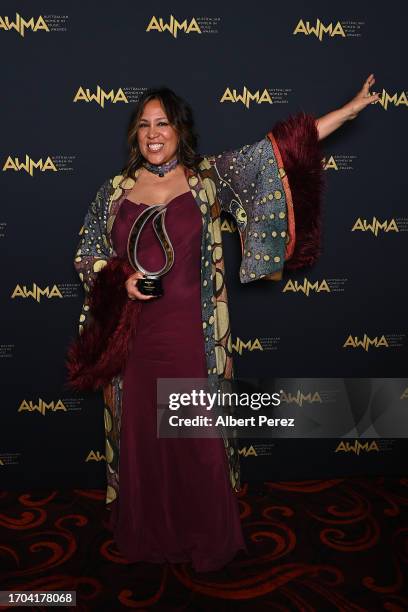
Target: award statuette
{"x": 151, "y": 283}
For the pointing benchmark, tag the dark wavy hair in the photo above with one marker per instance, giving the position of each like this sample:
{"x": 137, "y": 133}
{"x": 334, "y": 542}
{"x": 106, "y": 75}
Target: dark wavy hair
{"x": 180, "y": 115}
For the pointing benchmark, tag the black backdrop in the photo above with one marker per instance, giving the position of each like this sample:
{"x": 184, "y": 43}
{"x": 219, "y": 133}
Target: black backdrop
{"x": 291, "y": 56}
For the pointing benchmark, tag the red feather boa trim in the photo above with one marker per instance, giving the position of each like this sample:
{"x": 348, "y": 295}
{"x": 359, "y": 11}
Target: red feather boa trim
{"x": 297, "y": 140}
{"x": 100, "y": 352}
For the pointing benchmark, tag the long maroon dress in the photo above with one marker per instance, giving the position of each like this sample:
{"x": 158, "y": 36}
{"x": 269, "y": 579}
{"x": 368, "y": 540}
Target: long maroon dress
{"x": 175, "y": 502}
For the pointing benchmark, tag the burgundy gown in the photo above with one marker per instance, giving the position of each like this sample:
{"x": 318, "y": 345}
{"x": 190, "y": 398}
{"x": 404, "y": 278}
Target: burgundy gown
{"x": 175, "y": 501}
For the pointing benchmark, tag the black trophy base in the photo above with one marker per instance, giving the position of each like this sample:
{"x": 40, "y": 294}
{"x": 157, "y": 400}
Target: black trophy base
{"x": 150, "y": 286}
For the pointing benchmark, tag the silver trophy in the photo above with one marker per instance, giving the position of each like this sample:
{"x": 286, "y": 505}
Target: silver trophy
{"x": 151, "y": 283}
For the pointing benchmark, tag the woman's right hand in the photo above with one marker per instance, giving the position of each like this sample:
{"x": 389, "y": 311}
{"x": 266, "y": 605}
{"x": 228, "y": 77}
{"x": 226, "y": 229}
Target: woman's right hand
{"x": 132, "y": 290}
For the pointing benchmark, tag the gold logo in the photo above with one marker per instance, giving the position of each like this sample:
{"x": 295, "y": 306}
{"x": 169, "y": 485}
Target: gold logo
{"x": 251, "y": 345}
{"x": 246, "y": 97}
{"x": 404, "y": 394}
{"x": 319, "y": 29}
{"x": 29, "y": 165}
{"x": 36, "y": 292}
{"x": 366, "y": 342}
{"x": 248, "y": 451}
{"x": 306, "y": 287}
{"x": 362, "y": 225}
{"x": 174, "y": 26}
{"x": 20, "y": 25}
{"x": 95, "y": 456}
{"x": 41, "y": 407}
{"x": 357, "y": 447}
{"x": 397, "y": 99}
{"x": 101, "y": 96}
{"x": 330, "y": 163}
{"x": 299, "y": 398}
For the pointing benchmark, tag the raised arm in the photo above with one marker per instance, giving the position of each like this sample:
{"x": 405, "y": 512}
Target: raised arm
{"x": 333, "y": 120}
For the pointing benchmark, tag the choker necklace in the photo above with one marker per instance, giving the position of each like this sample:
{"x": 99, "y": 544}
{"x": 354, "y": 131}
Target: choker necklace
{"x": 160, "y": 169}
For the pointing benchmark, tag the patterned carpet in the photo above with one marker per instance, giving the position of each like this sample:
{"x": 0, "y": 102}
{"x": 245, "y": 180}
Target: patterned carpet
{"x": 321, "y": 545}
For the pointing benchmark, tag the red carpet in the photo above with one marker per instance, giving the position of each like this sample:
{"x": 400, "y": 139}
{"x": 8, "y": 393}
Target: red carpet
{"x": 315, "y": 545}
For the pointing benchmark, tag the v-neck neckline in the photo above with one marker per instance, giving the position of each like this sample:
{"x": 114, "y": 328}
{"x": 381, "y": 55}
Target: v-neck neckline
{"x": 143, "y": 204}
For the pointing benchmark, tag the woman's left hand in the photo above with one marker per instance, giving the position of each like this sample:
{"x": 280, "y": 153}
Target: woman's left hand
{"x": 333, "y": 120}
{"x": 362, "y": 99}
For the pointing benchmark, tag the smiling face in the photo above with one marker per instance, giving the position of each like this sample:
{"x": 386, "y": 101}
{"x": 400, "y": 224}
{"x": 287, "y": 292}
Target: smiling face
{"x": 157, "y": 138}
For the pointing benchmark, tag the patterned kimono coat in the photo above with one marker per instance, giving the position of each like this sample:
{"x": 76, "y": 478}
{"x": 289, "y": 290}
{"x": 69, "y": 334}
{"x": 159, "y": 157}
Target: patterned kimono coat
{"x": 272, "y": 189}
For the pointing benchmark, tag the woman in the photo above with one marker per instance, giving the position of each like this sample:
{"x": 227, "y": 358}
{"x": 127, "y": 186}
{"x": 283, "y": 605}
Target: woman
{"x": 176, "y": 497}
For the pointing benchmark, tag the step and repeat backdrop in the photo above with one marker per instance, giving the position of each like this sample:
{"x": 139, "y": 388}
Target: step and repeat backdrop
{"x": 71, "y": 75}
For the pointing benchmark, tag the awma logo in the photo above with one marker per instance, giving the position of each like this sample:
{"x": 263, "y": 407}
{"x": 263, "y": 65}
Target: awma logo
{"x": 329, "y": 163}
{"x": 375, "y": 226}
{"x": 41, "y": 406}
{"x": 101, "y": 96}
{"x": 300, "y": 398}
{"x": 306, "y": 287}
{"x": 365, "y": 342}
{"x": 396, "y": 99}
{"x": 246, "y": 97}
{"x": 95, "y": 456}
{"x": 357, "y": 447}
{"x": 36, "y": 293}
{"x": 251, "y": 345}
{"x": 157, "y": 24}
{"x": 247, "y": 451}
{"x": 20, "y": 25}
{"x": 29, "y": 165}
{"x": 319, "y": 29}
